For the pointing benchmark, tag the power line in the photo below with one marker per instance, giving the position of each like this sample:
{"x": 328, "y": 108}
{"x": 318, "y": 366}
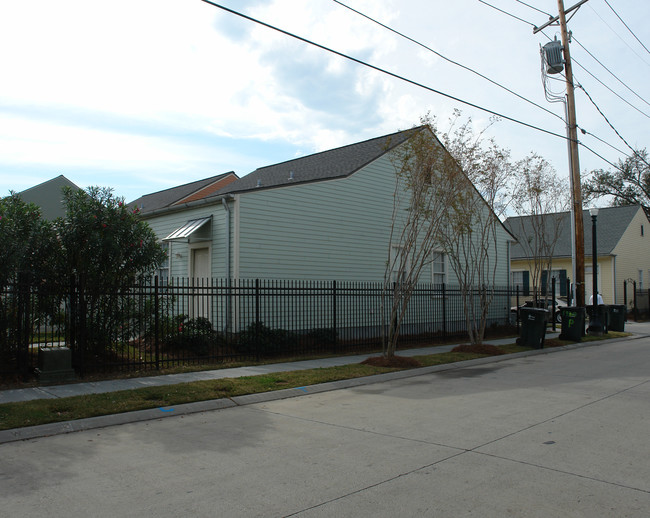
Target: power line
{"x": 610, "y": 124}
{"x": 448, "y": 59}
{"x": 608, "y": 88}
{"x": 535, "y": 9}
{"x": 608, "y": 70}
{"x": 507, "y": 13}
{"x": 383, "y": 71}
{"x": 627, "y": 27}
{"x": 481, "y": 75}
{"x": 618, "y": 35}
{"x": 580, "y": 86}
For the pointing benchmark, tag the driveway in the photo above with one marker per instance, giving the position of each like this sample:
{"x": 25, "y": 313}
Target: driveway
{"x": 563, "y": 434}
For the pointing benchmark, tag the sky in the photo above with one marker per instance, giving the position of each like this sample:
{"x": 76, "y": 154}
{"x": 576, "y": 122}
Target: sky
{"x": 143, "y": 95}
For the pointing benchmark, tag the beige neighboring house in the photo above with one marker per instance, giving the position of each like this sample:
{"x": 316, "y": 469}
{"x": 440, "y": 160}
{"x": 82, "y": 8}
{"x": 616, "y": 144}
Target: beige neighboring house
{"x": 49, "y": 196}
{"x": 623, "y": 241}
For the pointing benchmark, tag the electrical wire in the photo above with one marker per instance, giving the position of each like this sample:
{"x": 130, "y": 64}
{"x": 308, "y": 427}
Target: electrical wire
{"x": 634, "y": 151}
{"x": 600, "y": 111}
{"x": 483, "y": 76}
{"x": 608, "y": 70}
{"x": 573, "y": 59}
{"x": 507, "y": 13}
{"x": 608, "y": 88}
{"x": 383, "y": 71}
{"x": 627, "y": 27}
{"x": 550, "y": 16}
{"x": 618, "y": 35}
{"x": 447, "y": 59}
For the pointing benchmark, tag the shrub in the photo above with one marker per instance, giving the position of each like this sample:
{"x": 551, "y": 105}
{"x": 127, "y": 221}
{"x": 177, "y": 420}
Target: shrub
{"x": 194, "y": 335}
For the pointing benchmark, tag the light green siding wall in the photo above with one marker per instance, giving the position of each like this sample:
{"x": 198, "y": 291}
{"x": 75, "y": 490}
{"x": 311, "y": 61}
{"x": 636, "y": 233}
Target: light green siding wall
{"x": 336, "y": 229}
{"x": 180, "y": 251}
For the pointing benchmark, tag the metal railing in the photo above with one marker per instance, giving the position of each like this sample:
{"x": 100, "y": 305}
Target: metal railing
{"x": 154, "y": 325}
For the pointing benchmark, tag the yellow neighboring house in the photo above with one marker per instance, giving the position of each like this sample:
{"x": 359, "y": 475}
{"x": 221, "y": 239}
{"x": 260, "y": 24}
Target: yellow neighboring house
{"x": 623, "y": 241}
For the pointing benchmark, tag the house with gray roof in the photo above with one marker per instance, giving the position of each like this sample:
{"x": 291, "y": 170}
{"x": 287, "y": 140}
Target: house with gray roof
{"x": 623, "y": 249}
{"x": 49, "y": 196}
{"x": 326, "y": 216}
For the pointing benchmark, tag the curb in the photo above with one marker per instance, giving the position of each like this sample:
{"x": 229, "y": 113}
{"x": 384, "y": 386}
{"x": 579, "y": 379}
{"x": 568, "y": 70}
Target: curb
{"x": 92, "y": 423}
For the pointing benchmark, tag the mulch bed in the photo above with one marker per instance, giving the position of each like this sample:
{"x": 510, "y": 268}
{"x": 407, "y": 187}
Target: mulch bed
{"x": 399, "y": 362}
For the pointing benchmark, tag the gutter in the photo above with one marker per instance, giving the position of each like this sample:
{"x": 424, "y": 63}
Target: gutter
{"x": 188, "y": 205}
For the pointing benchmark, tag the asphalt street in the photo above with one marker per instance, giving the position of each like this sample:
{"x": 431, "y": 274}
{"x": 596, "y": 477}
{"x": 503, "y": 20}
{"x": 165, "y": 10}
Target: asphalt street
{"x": 553, "y": 435}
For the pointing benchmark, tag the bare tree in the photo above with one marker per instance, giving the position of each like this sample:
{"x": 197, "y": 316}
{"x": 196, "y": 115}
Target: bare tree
{"x": 472, "y": 234}
{"x": 420, "y": 199}
{"x": 540, "y": 198}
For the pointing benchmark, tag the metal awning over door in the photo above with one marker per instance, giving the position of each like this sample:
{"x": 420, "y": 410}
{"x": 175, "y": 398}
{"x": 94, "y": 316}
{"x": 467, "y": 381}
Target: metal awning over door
{"x": 188, "y": 229}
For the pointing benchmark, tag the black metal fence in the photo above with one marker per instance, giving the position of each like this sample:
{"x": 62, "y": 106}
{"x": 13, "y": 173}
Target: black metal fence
{"x": 149, "y": 326}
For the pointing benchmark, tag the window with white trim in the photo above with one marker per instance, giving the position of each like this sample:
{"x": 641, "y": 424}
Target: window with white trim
{"x": 439, "y": 268}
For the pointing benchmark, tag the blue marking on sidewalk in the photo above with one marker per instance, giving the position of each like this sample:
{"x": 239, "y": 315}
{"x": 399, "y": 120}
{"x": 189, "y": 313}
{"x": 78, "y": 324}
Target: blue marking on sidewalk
{"x": 302, "y": 388}
{"x": 168, "y": 410}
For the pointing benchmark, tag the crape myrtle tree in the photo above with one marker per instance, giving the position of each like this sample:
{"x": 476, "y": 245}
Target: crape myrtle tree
{"x": 539, "y": 198}
{"x": 419, "y": 200}
{"x": 481, "y": 172}
{"x": 628, "y": 184}
{"x": 106, "y": 249}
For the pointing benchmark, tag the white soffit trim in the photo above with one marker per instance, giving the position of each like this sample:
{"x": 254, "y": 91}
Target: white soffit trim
{"x": 188, "y": 229}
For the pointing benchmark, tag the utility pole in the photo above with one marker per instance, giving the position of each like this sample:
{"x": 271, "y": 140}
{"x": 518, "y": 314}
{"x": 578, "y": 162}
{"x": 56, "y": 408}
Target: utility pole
{"x": 572, "y": 130}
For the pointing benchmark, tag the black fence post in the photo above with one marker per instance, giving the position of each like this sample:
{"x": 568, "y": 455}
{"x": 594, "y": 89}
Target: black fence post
{"x": 553, "y": 303}
{"x": 334, "y": 308}
{"x": 24, "y": 323}
{"x": 444, "y": 310}
{"x": 636, "y": 306}
{"x": 257, "y": 319}
{"x": 156, "y": 323}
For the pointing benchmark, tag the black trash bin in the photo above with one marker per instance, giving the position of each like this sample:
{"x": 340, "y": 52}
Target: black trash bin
{"x": 573, "y": 323}
{"x": 602, "y": 311}
{"x": 533, "y": 327}
{"x": 616, "y": 314}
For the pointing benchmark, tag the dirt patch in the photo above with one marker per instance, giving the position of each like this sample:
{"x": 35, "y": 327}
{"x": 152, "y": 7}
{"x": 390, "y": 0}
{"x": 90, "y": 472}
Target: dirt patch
{"x": 399, "y": 362}
{"x": 491, "y": 350}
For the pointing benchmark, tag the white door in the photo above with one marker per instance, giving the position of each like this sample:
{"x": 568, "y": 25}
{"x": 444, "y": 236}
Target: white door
{"x": 200, "y": 273}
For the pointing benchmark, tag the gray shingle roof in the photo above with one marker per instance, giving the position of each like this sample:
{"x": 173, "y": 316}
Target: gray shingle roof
{"x": 167, "y": 197}
{"x": 611, "y": 224}
{"x": 334, "y": 163}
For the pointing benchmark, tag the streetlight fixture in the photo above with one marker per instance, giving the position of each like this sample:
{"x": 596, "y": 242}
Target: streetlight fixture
{"x": 595, "y": 324}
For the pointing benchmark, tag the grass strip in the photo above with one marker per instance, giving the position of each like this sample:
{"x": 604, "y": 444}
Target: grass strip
{"x": 44, "y": 411}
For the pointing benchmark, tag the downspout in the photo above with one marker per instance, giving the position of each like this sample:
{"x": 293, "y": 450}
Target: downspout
{"x": 224, "y": 202}
{"x": 614, "y": 280}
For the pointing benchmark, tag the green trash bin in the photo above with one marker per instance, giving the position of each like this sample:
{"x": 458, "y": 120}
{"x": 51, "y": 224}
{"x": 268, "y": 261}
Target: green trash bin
{"x": 617, "y": 317}
{"x": 533, "y": 327}
{"x": 573, "y": 323}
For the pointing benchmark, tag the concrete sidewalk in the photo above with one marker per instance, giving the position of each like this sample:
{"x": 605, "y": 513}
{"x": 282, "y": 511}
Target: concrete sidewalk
{"x": 100, "y": 387}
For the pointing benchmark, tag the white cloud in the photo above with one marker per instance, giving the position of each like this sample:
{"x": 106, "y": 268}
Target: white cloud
{"x": 146, "y": 84}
